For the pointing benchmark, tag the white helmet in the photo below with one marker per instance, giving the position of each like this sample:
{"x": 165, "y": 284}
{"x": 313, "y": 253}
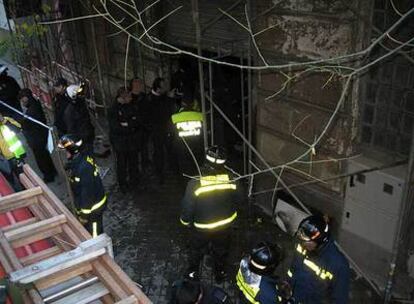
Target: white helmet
{"x": 73, "y": 90}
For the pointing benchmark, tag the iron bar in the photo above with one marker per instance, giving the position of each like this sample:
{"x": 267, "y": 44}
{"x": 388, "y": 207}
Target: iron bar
{"x": 196, "y": 19}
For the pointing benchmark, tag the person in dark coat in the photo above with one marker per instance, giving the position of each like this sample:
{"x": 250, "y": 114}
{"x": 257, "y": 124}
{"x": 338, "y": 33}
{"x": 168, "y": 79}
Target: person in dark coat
{"x": 36, "y": 135}
{"x": 125, "y": 137}
{"x": 136, "y": 87}
{"x": 9, "y": 89}
{"x": 60, "y": 102}
{"x": 160, "y": 109}
{"x": 76, "y": 117}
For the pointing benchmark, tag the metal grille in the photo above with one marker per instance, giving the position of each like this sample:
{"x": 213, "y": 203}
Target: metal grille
{"x": 388, "y": 93}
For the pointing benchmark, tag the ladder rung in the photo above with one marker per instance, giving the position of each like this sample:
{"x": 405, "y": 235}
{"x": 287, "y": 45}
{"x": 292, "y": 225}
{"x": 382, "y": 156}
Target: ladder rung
{"x": 86, "y": 251}
{"x": 63, "y": 276}
{"x": 19, "y": 199}
{"x": 41, "y": 255}
{"x": 86, "y": 295}
{"x": 129, "y": 300}
{"x": 37, "y": 237}
{"x": 20, "y": 224}
{"x": 35, "y": 228}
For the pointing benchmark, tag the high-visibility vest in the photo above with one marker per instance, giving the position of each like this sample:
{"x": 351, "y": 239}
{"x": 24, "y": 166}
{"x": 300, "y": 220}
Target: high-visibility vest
{"x": 13, "y": 143}
{"x": 188, "y": 123}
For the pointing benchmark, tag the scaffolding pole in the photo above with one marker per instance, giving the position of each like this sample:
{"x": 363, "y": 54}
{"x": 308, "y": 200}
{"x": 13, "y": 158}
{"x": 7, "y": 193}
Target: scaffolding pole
{"x": 196, "y": 20}
{"x": 407, "y": 198}
{"x": 98, "y": 65}
{"x": 249, "y": 95}
{"x": 210, "y": 74}
{"x": 243, "y": 108}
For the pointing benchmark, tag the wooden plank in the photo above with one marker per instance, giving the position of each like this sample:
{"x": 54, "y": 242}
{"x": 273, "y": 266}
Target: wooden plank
{"x": 57, "y": 204}
{"x": 110, "y": 281}
{"x": 8, "y": 268}
{"x": 9, "y": 252}
{"x": 35, "y": 228}
{"x": 63, "y": 276}
{"x": 129, "y": 300}
{"x": 19, "y": 224}
{"x": 123, "y": 279}
{"x": 36, "y": 237}
{"x": 19, "y": 199}
{"x": 85, "y": 295}
{"x": 16, "y": 265}
{"x": 86, "y": 251}
{"x": 41, "y": 255}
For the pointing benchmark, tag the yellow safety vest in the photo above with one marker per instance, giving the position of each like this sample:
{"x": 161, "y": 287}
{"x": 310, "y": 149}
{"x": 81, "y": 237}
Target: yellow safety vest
{"x": 10, "y": 144}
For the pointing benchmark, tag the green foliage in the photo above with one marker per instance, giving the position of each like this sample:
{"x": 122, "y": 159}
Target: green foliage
{"x": 19, "y": 43}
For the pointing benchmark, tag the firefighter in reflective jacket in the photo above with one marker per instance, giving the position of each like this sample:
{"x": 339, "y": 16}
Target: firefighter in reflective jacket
{"x": 256, "y": 279}
{"x": 88, "y": 191}
{"x": 12, "y": 150}
{"x": 209, "y": 206}
{"x": 319, "y": 271}
{"x": 189, "y": 123}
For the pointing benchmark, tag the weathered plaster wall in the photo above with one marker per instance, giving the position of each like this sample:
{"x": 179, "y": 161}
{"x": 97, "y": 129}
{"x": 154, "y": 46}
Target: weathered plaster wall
{"x": 307, "y": 30}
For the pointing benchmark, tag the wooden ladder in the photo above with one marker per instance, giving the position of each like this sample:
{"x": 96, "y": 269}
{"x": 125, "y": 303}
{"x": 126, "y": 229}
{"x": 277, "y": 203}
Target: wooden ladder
{"x": 76, "y": 269}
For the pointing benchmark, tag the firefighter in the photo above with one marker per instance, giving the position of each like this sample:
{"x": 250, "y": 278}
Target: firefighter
{"x": 12, "y": 151}
{"x": 209, "y": 207}
{"x": 76, "y": 116}
{"x": 188, "y": 122}
{"x": 88, "y": 191}
{"x": 256, "y": 279}
{"x": 191, "y": 291}
{"x": 319, "y": 271}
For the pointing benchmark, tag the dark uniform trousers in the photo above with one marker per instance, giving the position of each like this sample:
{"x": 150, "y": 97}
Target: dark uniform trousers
{"x": 93, "y": 222}
{"x": 127, "y": 162}
{"x": 44, "y": 161}
{"x": 214, "y": 243}
{"x": 164, "y": 148}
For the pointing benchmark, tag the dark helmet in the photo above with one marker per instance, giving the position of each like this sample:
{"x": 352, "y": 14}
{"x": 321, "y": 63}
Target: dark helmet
{"x": 264, "y": 258}
{"x": 60, "y": 82}
{"x": 313, "y": 228}
{"x": 216, "y": 155}
{"x": 70, "y": 143}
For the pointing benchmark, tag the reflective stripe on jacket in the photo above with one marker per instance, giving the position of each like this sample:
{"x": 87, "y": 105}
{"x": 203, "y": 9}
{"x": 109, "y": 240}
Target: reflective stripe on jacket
{"x": 321, "y": 276}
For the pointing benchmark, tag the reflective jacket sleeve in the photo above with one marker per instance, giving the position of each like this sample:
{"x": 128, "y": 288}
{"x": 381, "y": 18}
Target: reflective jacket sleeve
{"x": 188, "y": 204}
{"x": 340, "y": 284}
